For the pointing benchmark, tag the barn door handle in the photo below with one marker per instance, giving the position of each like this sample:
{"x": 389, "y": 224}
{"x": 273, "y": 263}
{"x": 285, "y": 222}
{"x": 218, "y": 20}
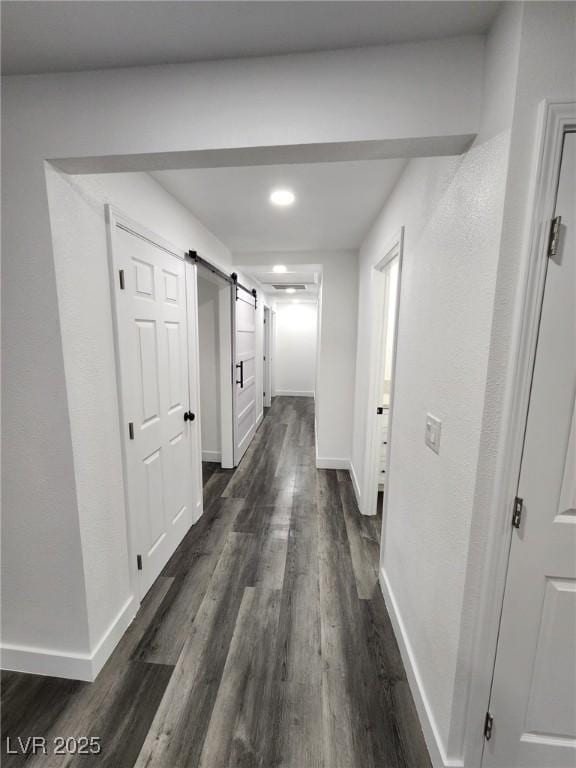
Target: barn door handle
{"x": 189, "y": 416}
{"x": 241, "y": 366}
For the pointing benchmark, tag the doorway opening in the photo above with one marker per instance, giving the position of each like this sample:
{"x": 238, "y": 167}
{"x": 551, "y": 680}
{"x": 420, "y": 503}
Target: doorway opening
{"x": 215, "y": 356}
{"x": 310, "y": 364}
{"x": 386, "y": 303}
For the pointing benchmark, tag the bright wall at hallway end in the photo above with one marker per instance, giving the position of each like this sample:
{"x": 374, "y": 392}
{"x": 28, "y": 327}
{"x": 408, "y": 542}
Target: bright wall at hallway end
{"x": 296, "y": 337}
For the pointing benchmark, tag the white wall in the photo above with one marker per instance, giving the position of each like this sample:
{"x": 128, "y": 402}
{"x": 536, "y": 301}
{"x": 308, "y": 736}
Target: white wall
{"x": 100, "y": 575}
{"x": 545, "y": 70}
{"x": 403, "y": 95}
{"x": 451, "y": 209}
{"x": 443, "y": 339}
{"x": 209, "y": 338}
{"x": 337, "y": 348}
{"x": 295, "y": 350}
{"x": 460, "y": 276}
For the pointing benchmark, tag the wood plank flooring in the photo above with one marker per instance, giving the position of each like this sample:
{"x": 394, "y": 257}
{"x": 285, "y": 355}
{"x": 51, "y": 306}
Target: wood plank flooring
{"x": 265, "y": 642}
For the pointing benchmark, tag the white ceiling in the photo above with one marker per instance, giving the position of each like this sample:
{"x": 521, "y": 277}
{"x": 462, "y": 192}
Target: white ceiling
{"x": 306, "y": 276}
{"x": 336, "y": 203}
{"x": 54, "y": 36}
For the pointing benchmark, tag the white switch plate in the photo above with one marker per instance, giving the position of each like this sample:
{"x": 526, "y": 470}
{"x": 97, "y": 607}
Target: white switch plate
{"x": 432, "y": 432}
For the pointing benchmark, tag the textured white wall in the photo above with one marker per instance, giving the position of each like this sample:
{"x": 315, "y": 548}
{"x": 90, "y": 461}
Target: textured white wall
{"x": 81, "y": 262}
{"x": 209, "y": 368}
{"x": 465, "y": 219}
{"x": 451, "y": 209}
{"x": 545, "y": 69}
{"x": 409, "y": 91}
{"x": 295, "y": 359}
{"x": 446, "y": 304}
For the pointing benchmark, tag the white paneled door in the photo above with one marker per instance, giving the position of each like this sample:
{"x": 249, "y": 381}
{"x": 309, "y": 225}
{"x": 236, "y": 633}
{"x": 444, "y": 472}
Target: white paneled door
{"x": 245, "y": 371}
{"x": 533, "y": 699}
{"x": 155, "y": 345}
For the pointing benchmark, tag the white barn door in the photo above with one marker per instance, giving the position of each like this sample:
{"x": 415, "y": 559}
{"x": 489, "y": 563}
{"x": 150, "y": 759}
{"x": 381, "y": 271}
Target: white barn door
{"x": 244, "y": 315}
{"x": 153, "y": 323}
{"x": 533, "y": 699}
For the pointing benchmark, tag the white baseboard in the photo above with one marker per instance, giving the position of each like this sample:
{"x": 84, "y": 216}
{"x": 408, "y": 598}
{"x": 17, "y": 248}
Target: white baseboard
{"x": 355, "y": 485}
{"x": 212, "y": 456}
{"x": 112, "y": 636}
{"x": 74, "y": 666}
{"x": 290, "y": 393}
{"x": 429, "y": 728}
{"x": 37, "y": 661}
{"x": 327, "y": 463}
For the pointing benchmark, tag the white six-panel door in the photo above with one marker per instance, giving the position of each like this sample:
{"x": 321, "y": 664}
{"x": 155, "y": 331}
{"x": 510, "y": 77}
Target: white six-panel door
{"x": 153, "y": 324}
{"x": 533, "y": 699}
{"x": 245, "y": 372}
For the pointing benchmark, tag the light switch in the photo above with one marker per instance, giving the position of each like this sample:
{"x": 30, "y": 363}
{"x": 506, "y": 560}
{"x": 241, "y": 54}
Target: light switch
{"x": 432, "y": 432}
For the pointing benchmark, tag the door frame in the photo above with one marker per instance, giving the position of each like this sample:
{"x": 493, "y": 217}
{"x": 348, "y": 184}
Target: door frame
{"x": 114, "y": 218}
{"x": 553, "y": 120}
{"x": 369, "y": 497}
{"x": 225, "y": 392}
{"x": 191, "y": 272}
{"x": 226, "y": 373}
{"x": 236, "y": 296}
{"x": 273, "y": 352}
{"x": 267, "y": 353}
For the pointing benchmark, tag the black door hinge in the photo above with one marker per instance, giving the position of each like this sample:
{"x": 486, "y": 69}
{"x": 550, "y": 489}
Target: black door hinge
{"x": 488, "y": 725}
{"x": 121, "y": 278}
{"x": 131, "y": 430}
{"x": 517, "y": 514}
{"x": 554, "y": 236}
{"x": 139, "y": 562}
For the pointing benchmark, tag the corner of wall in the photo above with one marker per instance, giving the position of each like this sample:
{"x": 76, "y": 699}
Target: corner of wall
{"x": 355, "y": 484}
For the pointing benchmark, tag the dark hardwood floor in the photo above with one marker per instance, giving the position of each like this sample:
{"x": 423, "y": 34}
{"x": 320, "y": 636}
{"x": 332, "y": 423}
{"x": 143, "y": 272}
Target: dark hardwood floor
{"x": 264, "y": 642}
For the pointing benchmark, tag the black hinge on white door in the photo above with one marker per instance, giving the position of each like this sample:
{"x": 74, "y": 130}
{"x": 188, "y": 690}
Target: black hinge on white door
{"x": 554, "y": 236}
{"x": 131, "y": 430}
{"x": 517, "y": 513}
{"x": 121, "y": 279}
{"x": 139, "y": 562}
{"x": 488, "y": 725}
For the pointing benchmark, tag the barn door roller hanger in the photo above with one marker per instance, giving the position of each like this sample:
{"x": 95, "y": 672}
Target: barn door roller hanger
{"x": 233, "y": 278}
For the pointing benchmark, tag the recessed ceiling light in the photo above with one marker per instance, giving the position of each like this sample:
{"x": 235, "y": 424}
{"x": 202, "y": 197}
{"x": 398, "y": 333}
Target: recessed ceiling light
{"x": 282, "y": 197}
{"x": 279, "y": 268}
{"x": 290, "y": 290}
{"x": 295, "y": 301}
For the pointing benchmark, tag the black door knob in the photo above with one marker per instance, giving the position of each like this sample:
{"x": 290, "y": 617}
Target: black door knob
{"x": 189, "y": 416}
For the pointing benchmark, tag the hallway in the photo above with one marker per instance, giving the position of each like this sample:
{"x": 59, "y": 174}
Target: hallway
{"x": 265, "y": 641}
